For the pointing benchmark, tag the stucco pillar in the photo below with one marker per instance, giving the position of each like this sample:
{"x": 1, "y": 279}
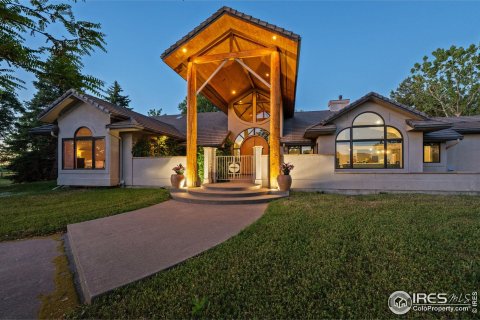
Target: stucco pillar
{"x": 257, "y": 159}
{"x": 207, "y": 164}
{"x": 127, "y": 158}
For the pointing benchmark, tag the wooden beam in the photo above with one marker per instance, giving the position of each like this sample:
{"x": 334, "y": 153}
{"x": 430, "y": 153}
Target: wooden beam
{"x": 245, "y": 71}
{"x": 275, "y": 114}
{"x": 232, "y": 55}
{"x": 212, "y": 75}
{"x": 191, "y": 125}
{"x": 253, "y": 72}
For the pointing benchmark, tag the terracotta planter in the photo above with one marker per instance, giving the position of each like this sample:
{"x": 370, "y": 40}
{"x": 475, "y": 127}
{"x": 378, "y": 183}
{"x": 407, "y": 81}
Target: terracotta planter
{"x": 177, "y": 180}
{"x": 284, "y": 182}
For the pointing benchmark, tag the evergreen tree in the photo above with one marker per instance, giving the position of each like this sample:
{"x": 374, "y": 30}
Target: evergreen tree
{"x": 203, "y": 105}
{"x": 114, "y": 95}
{"x": 35, "y": 156}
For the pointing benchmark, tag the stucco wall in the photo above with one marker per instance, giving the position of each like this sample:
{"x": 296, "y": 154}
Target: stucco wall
{"x": 412, "y": 141}
{"x": 154, "y": 171}
{"x": 465, "y": 155}
{"x": 316, "y": 172}
{"x": 84, "y": 115}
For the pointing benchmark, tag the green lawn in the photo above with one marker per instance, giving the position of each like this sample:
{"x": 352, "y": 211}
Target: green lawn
{"x": 33, "y": 209}
{"x": 318, "y": 256}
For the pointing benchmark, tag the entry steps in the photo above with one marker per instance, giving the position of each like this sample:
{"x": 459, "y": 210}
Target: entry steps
{"x": 228, "y": 193}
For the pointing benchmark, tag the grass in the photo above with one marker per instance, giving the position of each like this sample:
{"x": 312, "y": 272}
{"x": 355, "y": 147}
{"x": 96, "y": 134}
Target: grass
{"x": 34, "y": 209}
{"x": 318, "y": 256}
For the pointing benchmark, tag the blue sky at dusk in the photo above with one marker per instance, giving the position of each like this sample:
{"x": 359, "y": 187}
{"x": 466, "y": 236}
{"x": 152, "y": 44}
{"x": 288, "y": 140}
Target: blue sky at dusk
{"x": 347, "y": 48}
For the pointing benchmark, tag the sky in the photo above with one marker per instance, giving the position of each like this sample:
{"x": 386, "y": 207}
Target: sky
{"x": 348, "y": 47}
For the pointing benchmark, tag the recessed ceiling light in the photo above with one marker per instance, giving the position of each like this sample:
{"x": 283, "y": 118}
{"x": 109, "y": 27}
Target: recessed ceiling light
{"x": 274, "y": 37}
{"x": 266, "y": 74}
{"x": 233, "y": 91}
{"x": 184, "y": 50}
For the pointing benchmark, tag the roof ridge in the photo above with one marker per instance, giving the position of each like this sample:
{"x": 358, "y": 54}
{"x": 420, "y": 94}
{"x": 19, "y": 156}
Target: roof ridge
{"x": 228, "y": 10}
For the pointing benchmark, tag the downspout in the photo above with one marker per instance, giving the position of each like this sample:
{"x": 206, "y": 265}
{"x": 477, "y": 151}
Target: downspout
{"x": 448, "y": 147}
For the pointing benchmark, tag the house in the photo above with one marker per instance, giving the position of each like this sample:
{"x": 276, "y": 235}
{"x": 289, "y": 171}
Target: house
{"x": 248, "y": 68}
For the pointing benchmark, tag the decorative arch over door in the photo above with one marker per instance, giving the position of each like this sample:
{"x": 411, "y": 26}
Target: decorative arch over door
{"x": 249, "y": 138}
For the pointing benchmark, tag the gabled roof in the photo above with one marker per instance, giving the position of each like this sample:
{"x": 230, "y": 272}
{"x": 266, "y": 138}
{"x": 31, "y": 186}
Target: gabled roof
{"x": 125, "y": 117}
{"x": 373, "y": 96}
{"x": 237, "y": 14}
{"x": 228, "y": 49}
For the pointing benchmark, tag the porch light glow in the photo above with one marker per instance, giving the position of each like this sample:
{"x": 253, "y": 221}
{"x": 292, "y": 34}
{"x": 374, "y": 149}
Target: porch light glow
{"x": 274, "y": 37}
{"x": 184, "y": 50}
{"x": 233, "y": 91}
{"x": 267, "y": 74}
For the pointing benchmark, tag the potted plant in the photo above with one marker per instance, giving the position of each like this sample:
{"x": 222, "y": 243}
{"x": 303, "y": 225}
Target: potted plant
{"x": 285, "y": 179}
{"x": 177, "y": 179}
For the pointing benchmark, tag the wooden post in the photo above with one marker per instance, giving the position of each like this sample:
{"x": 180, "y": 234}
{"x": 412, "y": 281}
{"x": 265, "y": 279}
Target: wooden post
{"x": 191, "y": 171}
{"x": 275, "y": 114}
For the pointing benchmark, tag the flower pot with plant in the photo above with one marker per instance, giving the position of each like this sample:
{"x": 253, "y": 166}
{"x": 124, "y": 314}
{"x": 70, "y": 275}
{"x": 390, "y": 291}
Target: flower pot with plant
{"x": 177, "y": 179}
{"x": 285, "y": 179}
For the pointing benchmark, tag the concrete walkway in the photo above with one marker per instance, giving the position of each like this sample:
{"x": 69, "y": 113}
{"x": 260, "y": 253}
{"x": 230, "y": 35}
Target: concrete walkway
{"x": 117, "y": 250}
{"x": 26, "y": 272}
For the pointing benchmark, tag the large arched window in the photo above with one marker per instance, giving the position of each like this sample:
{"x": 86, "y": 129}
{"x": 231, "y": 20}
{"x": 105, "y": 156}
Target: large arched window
{"x": 84, "y": 151}
{"x": 253, "y": 107}
{"x": 369, "y": 144}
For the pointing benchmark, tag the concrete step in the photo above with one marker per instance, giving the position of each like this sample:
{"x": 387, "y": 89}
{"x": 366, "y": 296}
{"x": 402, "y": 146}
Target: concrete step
{"x": 231, "y": 186}
{"x": 213, "y": 192}
{"x": 192, "y": 198}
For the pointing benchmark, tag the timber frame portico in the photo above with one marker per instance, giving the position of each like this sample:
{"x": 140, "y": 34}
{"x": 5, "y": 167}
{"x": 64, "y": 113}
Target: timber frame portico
{"x": 227, "y": 56}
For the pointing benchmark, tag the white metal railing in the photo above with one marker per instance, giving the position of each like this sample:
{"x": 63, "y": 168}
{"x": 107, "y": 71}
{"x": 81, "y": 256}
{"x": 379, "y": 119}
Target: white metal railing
{"x": 234, "y": 168}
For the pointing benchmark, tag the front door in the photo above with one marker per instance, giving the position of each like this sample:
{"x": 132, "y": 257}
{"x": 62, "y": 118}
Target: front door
{"x": 246, "y": 148}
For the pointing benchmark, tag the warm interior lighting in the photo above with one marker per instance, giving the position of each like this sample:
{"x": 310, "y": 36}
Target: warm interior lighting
{"x": 233, "y": 91}
{"x": 274, "y": 37}
{"x": 267, "y": 74}
{"x": 184, "y": 50}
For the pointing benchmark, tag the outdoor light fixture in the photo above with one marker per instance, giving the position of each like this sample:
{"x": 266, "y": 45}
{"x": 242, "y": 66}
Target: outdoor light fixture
{"x": 266, "y": 74}
{"x": 274, "y": 37}
{"x": 233, "y": 91}
{"x": 184, "y": 50}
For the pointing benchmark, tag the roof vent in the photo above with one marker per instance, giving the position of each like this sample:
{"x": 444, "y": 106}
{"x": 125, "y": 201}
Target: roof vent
{"x": 337, "y": 105}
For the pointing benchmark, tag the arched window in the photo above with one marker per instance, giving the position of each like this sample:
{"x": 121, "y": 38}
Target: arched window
{"x": 84, "y": 151}
{"x": 253, "y": 107}
{"x": 242, "y": 136}
{"x": 369, "y": 144}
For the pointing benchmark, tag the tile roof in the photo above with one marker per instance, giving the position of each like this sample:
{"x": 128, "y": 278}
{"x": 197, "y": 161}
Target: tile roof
{"x": 212, "y": 127}
{"x": 294, "y": 128}
{"x": 372, "y": 96}
{"x": 428, "y": 124}
{"x": 463, "y": 124}
{"x": 442, "y": 135}
{"x": 128, "y": 116}
{"x": 235, "y": 13}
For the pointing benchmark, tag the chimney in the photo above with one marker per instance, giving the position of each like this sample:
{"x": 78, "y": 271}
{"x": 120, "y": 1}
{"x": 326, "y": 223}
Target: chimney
{"x": 337, "y": 105}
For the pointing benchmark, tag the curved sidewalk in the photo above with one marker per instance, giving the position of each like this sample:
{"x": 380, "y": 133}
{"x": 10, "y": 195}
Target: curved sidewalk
{"x": 117, "y": 250}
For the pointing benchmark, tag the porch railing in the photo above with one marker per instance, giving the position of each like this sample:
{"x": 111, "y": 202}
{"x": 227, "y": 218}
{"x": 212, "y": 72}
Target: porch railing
{"x": 230, "y": 168}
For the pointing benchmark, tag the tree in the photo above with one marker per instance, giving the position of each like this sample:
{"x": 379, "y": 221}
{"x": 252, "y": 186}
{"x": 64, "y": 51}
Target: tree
{"x": 448, "y": 85}
{"x": 9, "y": 108}
{"x": 21, "y": 20}
{"x": 34, "y": 157}
{"x": 203, "y": 105}
{"x": 153, "y": 112}
{"x": 114, "y": 96}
